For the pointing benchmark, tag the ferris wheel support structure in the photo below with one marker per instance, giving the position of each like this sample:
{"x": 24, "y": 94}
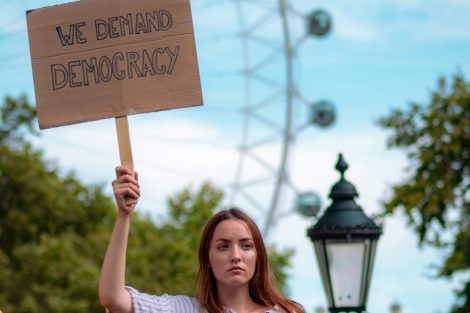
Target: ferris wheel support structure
{"x": 285, "y": 130}
{"x": 288, "y": 135}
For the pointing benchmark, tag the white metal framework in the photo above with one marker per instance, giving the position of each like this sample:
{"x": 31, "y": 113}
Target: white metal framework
{"x": 274, "y": 111}
{"x": 265, "y": 183}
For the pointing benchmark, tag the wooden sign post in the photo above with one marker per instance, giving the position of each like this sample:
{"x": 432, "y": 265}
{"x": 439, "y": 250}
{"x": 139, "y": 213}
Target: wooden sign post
{"x": 124, "y": 142}
{"x": 111, "y": 58}
{"x": 125, "y": 147}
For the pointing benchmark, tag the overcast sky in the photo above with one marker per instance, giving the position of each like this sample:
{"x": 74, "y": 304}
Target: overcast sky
{"x": 379, "y": 55}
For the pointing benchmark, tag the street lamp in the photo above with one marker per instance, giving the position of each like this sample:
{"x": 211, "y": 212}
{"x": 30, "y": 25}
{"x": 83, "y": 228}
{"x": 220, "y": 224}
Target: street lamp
{"x": 345, "y": 240}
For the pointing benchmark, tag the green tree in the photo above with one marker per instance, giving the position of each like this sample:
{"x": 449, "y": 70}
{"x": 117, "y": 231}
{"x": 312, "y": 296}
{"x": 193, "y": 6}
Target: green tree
{"x": 54, "y": 230}
{"x": 436, "y": 195}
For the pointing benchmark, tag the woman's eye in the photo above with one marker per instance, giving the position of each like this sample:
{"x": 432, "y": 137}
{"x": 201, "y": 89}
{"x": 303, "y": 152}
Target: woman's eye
{"x": 247, "y": 246}
{"x": 222, "y": 247}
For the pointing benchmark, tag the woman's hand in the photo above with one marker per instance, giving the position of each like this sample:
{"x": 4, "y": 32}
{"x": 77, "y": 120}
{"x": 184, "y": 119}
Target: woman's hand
{"x": 126, "y": 189}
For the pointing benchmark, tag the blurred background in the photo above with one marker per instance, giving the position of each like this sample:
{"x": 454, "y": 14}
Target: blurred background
{"x": 287, "y": 85}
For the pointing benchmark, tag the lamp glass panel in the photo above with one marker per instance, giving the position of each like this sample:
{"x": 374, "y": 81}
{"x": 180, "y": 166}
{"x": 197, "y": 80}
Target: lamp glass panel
{"x": 321, "y": 258}
{"x": 369, "y": 266}
{"x": 346, "y": 264}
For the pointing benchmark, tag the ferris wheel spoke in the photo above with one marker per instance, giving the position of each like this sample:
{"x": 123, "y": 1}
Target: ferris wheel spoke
{"x": 266, "y": 81}
{"x": 256, "y": 204}
{"x": 291, "y": 186}
{"x": 302, "y": 127}
{"x": 268, "y": 60}
{"x": 256, "y": 182}
{"x": 261, "y": 21}
{"x": 260, "y": 161}
{"x": 284, "y": 214}
{"x": 263, "y": 141}
{"x": 273, "y": 97}
{"x": 265, "y": 42}
{"x": 267, "y": 122}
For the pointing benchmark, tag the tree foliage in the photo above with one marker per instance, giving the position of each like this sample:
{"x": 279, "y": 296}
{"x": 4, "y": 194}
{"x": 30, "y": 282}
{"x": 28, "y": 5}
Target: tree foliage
{"x": 54, "y": 231}
{"x": 436, "y": 195}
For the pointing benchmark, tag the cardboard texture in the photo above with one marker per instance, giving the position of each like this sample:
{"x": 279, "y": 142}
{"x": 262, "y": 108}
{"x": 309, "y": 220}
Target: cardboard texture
{"x": 94, "y": 59}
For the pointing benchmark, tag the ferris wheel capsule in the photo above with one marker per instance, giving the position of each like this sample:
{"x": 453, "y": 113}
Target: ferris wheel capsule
{"x": 308, "y": 204}
{"x": 319, "y": 23}
{"x": 322, "y": 113}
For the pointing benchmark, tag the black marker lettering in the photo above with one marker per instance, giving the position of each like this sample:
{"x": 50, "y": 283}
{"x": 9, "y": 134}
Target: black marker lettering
{"x": 90, "y": 68}
{"x": 79, "y": 33}
{"x": 59, "y": 76}
{"x": 152, "y": 21}
{"x": 105, "y": 73}
{"x": 147, "y": 64}
{"x": 113, "y": 33}
{"x": 65, "y": 40}
{"x": 140, "y": 26}
{"x": 102, "y": 30}
{"x": 164, "y": 24}
{"x": 132, "y": 58}
{"x": 72, "y": 74}
{"x": 173, "y": 57}
{"x": 119, "y": 66}
{"x": 155, "y": 59}
{"x": 126, "y": 22}
{"x": 119, "y": 74}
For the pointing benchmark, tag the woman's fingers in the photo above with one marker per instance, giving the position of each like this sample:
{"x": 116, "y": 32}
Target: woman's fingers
{"x": 125, "y": 187}
{"x": 127, "y": 179}
{"x": 121, "y": 170}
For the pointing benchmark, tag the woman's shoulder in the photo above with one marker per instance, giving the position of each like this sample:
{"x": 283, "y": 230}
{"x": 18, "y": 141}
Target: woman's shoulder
{"x": 275, "y": 309}
{"x": 278, "y": 309}
{"x": 143, "y": 302}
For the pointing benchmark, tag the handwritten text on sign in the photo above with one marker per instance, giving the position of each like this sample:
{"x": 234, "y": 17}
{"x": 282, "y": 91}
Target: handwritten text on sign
{"x": 119, "y": 66}
{"x": 98, "y": 59}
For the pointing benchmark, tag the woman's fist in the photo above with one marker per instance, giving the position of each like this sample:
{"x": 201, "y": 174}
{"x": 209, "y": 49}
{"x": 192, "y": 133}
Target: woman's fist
{"x": 126, "y": 189}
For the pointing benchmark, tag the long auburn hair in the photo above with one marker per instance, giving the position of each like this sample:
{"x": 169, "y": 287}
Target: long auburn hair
{"x": 262, "y": 286}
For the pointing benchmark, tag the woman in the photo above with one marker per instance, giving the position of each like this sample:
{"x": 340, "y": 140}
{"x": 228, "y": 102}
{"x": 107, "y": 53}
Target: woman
{"x": 234, "y": 274}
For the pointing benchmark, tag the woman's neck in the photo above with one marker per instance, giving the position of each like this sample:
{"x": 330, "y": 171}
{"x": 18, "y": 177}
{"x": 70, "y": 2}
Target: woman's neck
{"x": 238, "y": 299}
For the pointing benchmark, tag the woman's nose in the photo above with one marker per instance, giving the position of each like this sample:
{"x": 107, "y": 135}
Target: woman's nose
{"x": 235, "y": 254}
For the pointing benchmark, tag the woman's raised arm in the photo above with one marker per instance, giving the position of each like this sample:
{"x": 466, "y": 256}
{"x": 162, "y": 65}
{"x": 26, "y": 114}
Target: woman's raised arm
{"x": 112, "y": 292}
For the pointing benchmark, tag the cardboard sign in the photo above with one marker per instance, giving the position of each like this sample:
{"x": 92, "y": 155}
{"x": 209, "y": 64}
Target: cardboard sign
{"x": 95, "y": 59}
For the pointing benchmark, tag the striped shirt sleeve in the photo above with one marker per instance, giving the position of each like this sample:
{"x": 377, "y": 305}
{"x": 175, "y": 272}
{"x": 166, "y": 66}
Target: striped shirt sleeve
{"x": 146, "y": 303}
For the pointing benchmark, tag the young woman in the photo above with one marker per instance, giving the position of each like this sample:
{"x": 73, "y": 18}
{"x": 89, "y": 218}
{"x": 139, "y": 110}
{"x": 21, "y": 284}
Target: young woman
{"x": 234, "y": 274}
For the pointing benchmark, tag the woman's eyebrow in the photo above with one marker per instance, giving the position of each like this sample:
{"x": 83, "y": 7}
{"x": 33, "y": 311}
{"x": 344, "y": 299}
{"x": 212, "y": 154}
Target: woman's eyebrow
{"x": 229, "y": 240}
{"x": 223, "y": 239}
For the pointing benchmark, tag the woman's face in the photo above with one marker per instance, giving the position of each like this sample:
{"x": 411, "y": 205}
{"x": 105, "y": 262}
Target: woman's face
{"x": 232, "y": 254}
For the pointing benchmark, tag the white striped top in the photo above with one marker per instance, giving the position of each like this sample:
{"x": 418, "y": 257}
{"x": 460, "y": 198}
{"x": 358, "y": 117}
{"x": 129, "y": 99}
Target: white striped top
{"x": 145, "y": 303}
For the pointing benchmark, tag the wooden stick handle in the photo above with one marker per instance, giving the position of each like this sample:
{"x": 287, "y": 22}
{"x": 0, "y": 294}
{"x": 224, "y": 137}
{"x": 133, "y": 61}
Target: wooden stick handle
{"x": 125, "y": 148}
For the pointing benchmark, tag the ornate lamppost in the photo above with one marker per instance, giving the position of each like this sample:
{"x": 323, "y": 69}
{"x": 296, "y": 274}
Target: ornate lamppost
{"x": 345, "y": 241}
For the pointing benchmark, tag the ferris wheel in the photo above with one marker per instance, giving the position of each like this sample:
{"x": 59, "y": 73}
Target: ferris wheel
{"x": 274, "y": 109}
